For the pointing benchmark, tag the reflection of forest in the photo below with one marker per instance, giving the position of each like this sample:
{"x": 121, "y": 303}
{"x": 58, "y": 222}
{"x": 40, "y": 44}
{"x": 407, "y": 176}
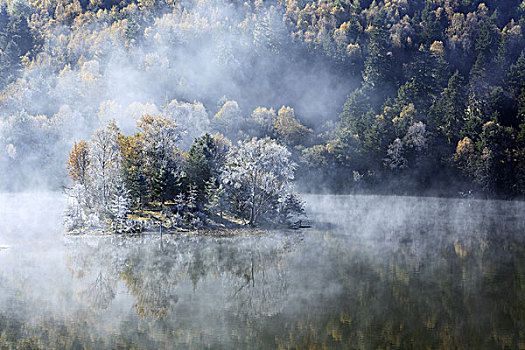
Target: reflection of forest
{"x": 404, "y": 283}
{"x": 248, "y": 271}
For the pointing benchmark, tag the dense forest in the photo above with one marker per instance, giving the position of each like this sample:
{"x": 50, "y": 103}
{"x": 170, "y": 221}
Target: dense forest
{"x": 214, "y": 185}
{"x": 395, "y": 96}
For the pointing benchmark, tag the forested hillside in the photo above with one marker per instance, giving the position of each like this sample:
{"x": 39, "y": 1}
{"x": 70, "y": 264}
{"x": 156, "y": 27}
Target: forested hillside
{"x": 403, "y": 96}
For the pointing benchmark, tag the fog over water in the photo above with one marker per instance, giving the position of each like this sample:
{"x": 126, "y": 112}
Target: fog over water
{"x": 372, "y": 272}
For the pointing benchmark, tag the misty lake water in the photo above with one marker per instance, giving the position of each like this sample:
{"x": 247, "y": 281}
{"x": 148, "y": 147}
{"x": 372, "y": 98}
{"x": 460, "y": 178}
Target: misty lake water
{"x": 372, "y": 273}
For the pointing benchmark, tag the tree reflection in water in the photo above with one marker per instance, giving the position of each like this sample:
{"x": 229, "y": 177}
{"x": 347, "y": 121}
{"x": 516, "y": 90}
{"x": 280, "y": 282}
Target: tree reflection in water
{"x": 418, "y": 275}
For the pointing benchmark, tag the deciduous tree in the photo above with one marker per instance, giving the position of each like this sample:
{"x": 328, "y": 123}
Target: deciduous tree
{"x": 263, "y": 170}
{"x": 78, "y": 162}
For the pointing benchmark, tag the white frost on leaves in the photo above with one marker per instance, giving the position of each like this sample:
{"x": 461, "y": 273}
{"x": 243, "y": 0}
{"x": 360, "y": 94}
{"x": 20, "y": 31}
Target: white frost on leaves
{"x": 263, "y": 169}
{"x": 160, "y": 139}
{"x": 120, "y": 205}
{"x": 394, "y": 156}
{"x": 105, "y": 162}
{"x": 416, "y": 136}
{"x": 75, "y": 214}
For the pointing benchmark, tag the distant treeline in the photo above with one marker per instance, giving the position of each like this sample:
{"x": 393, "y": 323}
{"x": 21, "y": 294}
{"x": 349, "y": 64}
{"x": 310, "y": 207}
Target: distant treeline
{"x": 436, "y": 89}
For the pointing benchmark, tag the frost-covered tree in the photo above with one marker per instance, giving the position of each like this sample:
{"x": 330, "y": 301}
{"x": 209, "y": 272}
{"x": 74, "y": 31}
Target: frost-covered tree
{"x": 259, "y": 174}
{"x": 395, "y": 159}
{"x": 192, "y": 195}
{"x": 76, "y": 214}
{"x": 159, "y": 137}
{"x": 120, "y": 205}
{"x": 105, "y": 162}
{"x": 290, "y": 205}
{"x": 416, "y": 136}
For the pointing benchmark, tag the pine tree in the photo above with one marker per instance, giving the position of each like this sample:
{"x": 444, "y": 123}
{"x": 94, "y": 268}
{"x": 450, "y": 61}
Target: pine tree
{"x": 120, "y": 206}
{"x": 201, "y": 164}
{"x": 377, "y": 72}
{"x": 521, "y": 119}
{"x": 158, "y": 184}
{"x": 447, "y": 114}
{"x": 516, "y": 76}
{"x": 192, "y": 195}
{"x": 215, "y": 197}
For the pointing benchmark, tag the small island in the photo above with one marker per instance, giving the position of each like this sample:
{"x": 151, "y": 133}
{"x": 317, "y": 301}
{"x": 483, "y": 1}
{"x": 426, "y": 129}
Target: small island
{"x": 129, "y": 184}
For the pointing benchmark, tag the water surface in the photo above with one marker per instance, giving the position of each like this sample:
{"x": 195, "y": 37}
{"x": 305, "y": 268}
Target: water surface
{"x": 374, "y": 272}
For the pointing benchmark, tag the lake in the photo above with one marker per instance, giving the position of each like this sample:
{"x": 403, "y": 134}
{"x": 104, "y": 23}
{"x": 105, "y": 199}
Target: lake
{"x": 373, "y": 272}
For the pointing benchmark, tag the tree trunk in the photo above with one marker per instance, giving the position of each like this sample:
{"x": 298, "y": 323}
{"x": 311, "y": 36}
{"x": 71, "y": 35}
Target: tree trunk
{"x": 252, "y": 215}
{"x": 161, "y": 246}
